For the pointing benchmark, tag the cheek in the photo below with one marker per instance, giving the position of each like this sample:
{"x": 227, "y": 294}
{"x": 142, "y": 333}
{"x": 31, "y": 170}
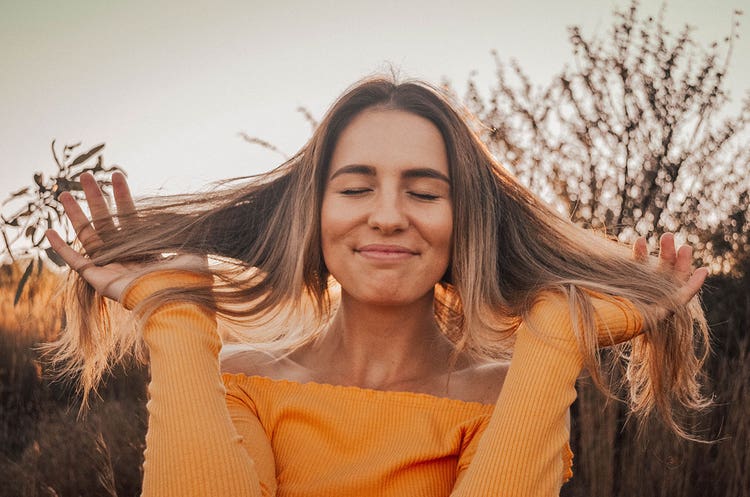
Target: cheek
{"x": 329, "y": 221}
{"x": 339, "y": 217}
{"x": 325, "y": 230}
{"x": 437, "y": 229}
{"x": 447, "y": 252}
{"x": 334, "y": 224}
{"x": 446, "y": 231}
{"x": 442, "y": 227}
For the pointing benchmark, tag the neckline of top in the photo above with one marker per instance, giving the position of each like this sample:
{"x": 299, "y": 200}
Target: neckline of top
{"x": 370, "y": 392}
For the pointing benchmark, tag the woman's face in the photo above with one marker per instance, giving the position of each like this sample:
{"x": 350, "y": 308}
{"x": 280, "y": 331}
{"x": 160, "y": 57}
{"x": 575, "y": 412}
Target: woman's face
{"x": 387, "y": 218}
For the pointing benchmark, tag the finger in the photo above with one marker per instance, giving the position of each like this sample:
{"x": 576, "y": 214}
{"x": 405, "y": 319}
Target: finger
{"x": 123, "y": 197}
{"x": 72, "y": 258}
{"x": 640, "y": 250}
{"x": 100, "y": 215}
{"x": 684, "y": 262}
{"x": 667, "y": 254}
{"x": 81, "y": 224}
{"x": 693, "y": 285}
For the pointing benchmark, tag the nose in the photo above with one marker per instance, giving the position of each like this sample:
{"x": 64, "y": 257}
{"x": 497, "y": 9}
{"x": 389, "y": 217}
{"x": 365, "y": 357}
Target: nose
{"x": 387, "y": 214}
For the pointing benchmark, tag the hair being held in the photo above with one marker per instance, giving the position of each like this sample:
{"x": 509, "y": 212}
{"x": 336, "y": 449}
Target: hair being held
{"x": 262, "y": 235}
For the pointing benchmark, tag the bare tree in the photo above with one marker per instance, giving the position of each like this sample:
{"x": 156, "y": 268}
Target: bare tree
{"x": 634, "y": 138}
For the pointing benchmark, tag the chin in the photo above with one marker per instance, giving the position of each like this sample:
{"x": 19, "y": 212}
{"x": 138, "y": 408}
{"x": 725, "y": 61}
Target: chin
{"x": 387, "y": 297}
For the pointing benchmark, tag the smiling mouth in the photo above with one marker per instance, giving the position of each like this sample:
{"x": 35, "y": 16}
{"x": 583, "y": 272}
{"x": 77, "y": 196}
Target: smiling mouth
{"x": 385, "y": 252}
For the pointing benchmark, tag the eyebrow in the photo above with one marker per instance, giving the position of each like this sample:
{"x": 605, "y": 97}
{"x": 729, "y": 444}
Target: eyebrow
{"x": 417, "y": 172}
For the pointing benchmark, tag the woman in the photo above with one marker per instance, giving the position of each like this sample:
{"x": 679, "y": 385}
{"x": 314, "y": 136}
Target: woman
{"x": 393, "y": 387}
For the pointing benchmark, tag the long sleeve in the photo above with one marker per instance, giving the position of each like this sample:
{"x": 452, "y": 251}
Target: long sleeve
{"x": 520, "y": 452}
{"x": 192, "y": 445}
{"x": 255, "y": 440}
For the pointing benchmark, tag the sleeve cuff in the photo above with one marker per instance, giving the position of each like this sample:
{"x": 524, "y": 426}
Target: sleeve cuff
{"x": 618, "y": 319}
{"x": 150, "y": 283}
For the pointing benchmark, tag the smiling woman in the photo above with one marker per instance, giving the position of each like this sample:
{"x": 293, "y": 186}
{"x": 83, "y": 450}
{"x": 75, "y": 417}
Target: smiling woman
{"x": 386, "y": 219}
{"x": 400, "y": 384}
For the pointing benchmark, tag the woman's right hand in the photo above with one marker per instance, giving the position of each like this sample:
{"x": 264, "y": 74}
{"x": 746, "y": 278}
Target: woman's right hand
{"x": 112, "y": 279}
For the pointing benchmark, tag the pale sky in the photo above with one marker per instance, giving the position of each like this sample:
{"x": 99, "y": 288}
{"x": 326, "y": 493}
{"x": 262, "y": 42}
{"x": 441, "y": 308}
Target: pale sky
{"x": 169, "y": 84}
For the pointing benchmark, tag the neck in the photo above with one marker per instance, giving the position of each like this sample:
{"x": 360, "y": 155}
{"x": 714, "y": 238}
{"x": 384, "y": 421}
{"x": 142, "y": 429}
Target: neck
{"x": 381, "y": 346}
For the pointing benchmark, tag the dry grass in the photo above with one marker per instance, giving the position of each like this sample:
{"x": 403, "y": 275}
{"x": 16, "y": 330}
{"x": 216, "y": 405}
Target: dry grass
{"x": 46, "y": 451}
{"x": 37, "y": 314}
{"x": 612, "y": 460}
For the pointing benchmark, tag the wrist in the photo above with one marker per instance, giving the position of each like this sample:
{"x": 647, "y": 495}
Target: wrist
{"x": 150, "y": 283}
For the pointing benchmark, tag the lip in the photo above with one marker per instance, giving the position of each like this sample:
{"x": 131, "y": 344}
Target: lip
{"x": 385, "y": 252}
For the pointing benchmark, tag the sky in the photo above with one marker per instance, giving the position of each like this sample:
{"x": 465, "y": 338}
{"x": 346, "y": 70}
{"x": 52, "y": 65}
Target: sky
{"x": 169, "y": 85}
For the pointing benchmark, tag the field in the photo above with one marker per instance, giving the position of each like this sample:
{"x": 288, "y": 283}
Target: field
{"x": 46, "y": 450}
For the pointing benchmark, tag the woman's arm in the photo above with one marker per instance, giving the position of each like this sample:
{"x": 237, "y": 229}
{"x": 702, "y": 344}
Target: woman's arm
{"x": 521, "y": 451}
{"x": 192, "y": 446}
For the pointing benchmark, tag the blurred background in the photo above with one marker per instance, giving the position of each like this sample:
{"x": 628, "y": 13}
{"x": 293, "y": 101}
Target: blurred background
{"x": 631, "y": 118}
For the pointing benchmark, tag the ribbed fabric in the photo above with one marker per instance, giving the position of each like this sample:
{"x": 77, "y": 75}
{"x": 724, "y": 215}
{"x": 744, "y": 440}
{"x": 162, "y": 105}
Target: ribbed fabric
{"x": 331, "y": 440}
{"x": 273, "y": 437}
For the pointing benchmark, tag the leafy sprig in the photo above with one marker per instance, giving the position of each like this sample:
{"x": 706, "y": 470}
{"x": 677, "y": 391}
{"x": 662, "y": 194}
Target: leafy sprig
{"x": 38, "y": 208}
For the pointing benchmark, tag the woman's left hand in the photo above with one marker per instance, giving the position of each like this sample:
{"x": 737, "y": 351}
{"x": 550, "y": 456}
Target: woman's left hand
{"x": 677, "y": 261}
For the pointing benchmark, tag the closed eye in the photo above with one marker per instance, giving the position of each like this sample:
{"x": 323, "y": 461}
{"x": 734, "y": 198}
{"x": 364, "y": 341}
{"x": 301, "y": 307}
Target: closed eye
{"x": 424, "y": 196}
{"x": 355, "y": 191}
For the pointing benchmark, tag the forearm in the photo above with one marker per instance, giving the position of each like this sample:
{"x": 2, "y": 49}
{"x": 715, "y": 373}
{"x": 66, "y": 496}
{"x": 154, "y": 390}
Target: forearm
{"x": 521, "y": 451}
{"x": 192, "y": 446}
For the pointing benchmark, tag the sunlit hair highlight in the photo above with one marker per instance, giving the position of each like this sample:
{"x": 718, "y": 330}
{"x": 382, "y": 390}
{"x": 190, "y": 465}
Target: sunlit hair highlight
{"x": 509, "y": 248}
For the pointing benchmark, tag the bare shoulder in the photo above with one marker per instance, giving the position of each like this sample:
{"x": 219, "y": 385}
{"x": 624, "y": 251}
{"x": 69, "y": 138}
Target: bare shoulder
{"x": 481, "y": 381}
{"x": 243, "y": 359}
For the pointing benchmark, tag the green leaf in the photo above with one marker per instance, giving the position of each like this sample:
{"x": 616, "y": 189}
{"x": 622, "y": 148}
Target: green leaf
{"x": 22, "y": 283}
{"x": 86, "y": 155}
{"x": 54, "y": 257}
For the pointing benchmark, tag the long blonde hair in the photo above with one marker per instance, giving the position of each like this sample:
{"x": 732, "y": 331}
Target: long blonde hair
{"x": 508, "y": 248}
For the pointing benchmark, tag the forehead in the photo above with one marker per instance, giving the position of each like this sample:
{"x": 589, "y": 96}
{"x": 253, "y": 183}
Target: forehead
{"x": 388, "y": 138}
